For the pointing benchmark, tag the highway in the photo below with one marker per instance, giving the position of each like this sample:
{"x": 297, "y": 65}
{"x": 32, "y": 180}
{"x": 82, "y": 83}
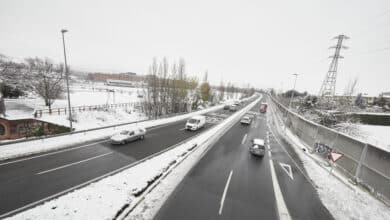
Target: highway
{"x": 29, "y": 180}
{"x": 230, "y": 183}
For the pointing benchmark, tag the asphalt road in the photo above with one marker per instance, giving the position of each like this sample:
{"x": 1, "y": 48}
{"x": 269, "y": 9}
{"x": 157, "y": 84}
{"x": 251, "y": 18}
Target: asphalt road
{"x": 24, "y": 181}
{"x": 230, "y": 183}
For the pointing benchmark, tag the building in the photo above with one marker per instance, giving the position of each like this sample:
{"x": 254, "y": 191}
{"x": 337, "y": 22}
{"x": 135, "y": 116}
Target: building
{"x": 27, "y": 127}
{"x": 103, "y": 77}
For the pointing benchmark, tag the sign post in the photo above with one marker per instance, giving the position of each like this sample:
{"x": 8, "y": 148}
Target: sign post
{"x": 334, "y": 156}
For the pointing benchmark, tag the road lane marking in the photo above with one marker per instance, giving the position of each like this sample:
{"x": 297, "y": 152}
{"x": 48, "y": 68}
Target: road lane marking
{"x": 244, "y": 139}
{"x": 74, "y": 163}
{"x": 56, "y": 152}
{"x": 280, "y": 203}
{"x": 295, "y": 163}
{"x": 224, "y": 193}
{"x": 288, "y": 169}
{"x": 181, "y": 129}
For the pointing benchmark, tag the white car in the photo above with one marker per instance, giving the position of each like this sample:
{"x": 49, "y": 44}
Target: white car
{"x": 195, "y": 123}
{"x": 258, "y": 147}
{"x": 132, "y": 134}
{"x": 246, "y": 120}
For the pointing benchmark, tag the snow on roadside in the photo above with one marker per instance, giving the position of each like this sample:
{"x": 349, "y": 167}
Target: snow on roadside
{"x": 102, "y": 199}
{"x": 376, "y": 135}
{"x": 94, "y": 119}
{"x": 340, "y": 200}
{"x": 43, "y": 145}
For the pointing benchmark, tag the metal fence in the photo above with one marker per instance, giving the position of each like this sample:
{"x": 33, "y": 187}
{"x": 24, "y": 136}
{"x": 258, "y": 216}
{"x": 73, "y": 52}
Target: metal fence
{"x": 59, "y": 111}
{"x": 362, "y": 162}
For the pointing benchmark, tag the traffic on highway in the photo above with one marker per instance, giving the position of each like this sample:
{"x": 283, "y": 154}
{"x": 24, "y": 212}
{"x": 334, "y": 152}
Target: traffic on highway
{"x": 51, "y": 174}
{"x": 247, "y": 174}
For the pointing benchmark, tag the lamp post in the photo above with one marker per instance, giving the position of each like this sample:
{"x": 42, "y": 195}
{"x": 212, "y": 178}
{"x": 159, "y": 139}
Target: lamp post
{"x": 293, "y": 91}
{"x": 63, "y": 31}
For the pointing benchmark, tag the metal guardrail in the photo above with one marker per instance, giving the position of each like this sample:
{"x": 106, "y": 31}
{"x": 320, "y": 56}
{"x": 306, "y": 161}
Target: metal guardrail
{"x": 362, "y": 162}
{"x": 64, "y": 110}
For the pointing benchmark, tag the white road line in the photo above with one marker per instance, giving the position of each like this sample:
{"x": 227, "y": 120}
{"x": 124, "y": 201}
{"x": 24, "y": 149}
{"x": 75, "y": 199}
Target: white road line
{"x": 244, "y": 139}
{"x": 280, "y": 204}
{"x": 56, "y": 152}
{"x": 181, "y": 129}
{"x": 72, "y": 164}
{"x": 224, "y": 193}
{"x": 295, "y": 163}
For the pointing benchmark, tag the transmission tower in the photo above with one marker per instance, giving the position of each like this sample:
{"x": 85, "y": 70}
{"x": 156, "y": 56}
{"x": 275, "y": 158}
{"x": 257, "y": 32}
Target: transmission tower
{"x": 329, "y": 84}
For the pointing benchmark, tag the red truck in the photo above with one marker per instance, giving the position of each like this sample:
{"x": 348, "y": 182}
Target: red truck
{"x": 263, "y": 107}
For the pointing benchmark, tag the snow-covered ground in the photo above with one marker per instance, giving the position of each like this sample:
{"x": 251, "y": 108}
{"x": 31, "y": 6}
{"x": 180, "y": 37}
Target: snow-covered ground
{"x": 98, "y": 118}
{"x": 109, "y": 195}
{"x": 55, "y": 143}
{"x": 86, "y": 94}
{"x": 376, "y": 135}
{"x": 342, "y": 199}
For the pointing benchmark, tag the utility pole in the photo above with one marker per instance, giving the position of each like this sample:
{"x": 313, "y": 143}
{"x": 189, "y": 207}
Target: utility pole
{"x": 328, "y": 86}
{"x": 293, "y": 91}
{"x": 63, "y": 31}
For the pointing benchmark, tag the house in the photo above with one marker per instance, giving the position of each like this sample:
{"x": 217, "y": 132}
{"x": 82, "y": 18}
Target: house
{"x": 27, "y": 127}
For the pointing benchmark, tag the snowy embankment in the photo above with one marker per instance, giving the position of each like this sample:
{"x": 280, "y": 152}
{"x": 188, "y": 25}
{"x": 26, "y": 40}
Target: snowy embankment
{"x": 43, "y": 145}
{"x": 118, "y": 194}
{"x": 342, "y": 199}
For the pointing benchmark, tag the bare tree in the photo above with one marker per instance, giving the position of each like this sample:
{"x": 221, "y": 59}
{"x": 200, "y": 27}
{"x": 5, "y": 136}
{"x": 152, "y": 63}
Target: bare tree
{"x": 350, "y": 89}
{"x": 47, "y": 79}
{"x": 11, "y": 74}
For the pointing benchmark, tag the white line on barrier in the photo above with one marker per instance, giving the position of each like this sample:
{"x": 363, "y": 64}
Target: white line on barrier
{"x": 224, "y": 193}
{"x": 74, "y": 163}
{"x": 56, "y": 152}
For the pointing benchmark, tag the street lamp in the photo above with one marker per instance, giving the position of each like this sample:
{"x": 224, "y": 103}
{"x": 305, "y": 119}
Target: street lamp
{"x": 63, "y": 31}
{"x": 293, "y": 91}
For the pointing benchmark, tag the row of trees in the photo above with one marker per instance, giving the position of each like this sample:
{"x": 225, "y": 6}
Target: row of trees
{"x": 171, "y": 90}
{"x": 37, "y": 75}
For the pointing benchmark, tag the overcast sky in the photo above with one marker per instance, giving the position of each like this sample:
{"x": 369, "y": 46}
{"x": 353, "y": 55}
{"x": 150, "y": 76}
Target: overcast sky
{"x": 257, "y": 42}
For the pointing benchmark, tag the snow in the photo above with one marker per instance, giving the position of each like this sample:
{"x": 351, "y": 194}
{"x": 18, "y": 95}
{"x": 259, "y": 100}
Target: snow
{"x": 342, "y": 199}
{"x": 43, "y": 145}
{"x": 102, "y": 199}
{"x": 81, "y": 95}
{"x": 377, "y": 135}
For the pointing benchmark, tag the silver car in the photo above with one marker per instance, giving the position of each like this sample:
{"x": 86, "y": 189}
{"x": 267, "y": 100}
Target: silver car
{"x": 125, "y": 136}
{"x": 258, "y": 147}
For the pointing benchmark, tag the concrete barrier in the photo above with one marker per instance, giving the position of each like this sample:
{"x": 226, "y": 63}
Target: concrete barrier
{"x": 363, "y": 163}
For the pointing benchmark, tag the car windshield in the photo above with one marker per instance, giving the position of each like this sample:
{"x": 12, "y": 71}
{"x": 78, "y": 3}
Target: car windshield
{"x": 193, "y": 121}
{"x": 124, "y": 132}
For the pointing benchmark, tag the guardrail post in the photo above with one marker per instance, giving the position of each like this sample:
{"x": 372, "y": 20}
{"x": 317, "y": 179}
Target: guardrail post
{"x": 358, "y": 169}
{"x": 315, "y": 136}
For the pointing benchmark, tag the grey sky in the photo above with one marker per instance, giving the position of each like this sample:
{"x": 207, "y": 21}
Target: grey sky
{"x": 257, "y": 42}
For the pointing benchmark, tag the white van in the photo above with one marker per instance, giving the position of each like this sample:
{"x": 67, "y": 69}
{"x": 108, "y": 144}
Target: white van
{"x": 195, "y": 122}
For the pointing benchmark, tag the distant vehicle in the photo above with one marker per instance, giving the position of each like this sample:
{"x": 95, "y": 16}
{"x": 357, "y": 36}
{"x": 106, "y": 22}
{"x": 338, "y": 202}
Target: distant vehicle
{"x": 233, "y": 108}
{"x": 125, "y": 136}
{"x": 246, "y": 120}
{"x": 226, "y": 107}
{"x": 258, "y": 147}
{"x": 237, "y": 103}
{"x": 263, "y": 107}
{"x": 195, "y": 123}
